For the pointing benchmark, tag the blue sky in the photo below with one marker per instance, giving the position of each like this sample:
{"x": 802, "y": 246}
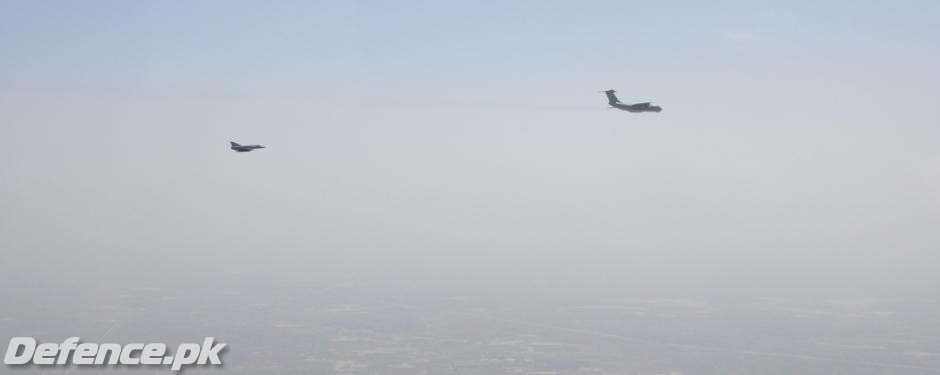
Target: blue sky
{"x": 479, "y": 52}
{"x": 103, "y": 71}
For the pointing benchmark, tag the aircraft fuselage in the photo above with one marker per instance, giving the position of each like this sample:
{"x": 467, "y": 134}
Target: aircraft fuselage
{"x": 637, "y": 108}
{"x": 244, "y": 148}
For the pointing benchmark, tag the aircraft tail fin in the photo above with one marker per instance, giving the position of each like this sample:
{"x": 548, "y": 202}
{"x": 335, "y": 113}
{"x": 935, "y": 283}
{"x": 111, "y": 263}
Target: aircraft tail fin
{"x": 234, "y": 144}
{"x": 611, "y": 97}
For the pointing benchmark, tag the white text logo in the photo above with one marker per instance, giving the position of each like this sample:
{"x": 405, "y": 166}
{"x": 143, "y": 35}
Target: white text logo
{"x": 25, "y": 350}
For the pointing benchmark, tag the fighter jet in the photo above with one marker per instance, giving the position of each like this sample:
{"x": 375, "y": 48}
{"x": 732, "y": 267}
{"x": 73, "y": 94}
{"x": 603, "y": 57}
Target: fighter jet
{"x": 638, "y": 107}
{"x": 244, "y": 148}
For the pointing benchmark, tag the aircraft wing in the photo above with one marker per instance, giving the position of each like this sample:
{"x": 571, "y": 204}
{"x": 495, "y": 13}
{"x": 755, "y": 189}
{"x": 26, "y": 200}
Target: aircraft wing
{"x": 642, "y": 105}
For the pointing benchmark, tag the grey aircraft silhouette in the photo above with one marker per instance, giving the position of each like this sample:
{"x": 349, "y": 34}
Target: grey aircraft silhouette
{"x": 638, "y": 107}
{"x": 244, "y": 148}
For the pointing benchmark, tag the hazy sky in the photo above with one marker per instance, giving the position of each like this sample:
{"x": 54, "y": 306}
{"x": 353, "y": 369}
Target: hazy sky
{"x": 429, "y": 141}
